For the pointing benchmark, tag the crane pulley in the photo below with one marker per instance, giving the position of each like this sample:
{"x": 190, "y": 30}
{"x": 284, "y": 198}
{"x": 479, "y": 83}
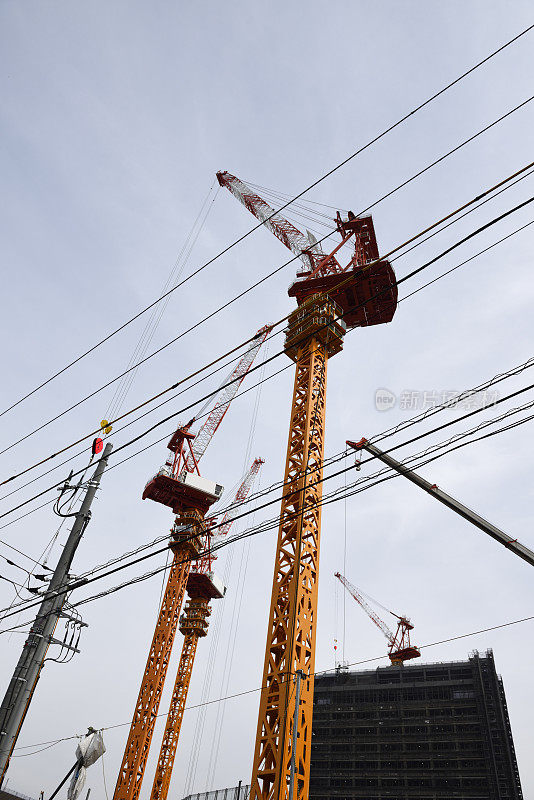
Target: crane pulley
{"x": 400, "y": 647}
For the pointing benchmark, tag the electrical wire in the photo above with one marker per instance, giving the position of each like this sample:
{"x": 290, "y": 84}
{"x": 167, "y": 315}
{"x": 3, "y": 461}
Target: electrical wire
{"x": 517, "y": 230}
{"x": 333, "y": 497}
{"x": 379, "y": 437}
{"x": 382, "y": 657}
{"x": 426, "y": 413}
{"x": 398, "y": 282}
{"x": 236, "y": 358}
{"x": 326, "y": 175}
{"x": 250, "y": 288}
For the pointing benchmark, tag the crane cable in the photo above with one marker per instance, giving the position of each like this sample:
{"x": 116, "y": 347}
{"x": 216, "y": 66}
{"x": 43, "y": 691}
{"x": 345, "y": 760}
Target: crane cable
{"x": 341, "y": 164}
{"x": 273, "y": 522}
{"x": 255, "y": 285}
{"x": 52, "y": 743}
{"x": 340, "y": 284}
{"x": 154, "y": 319}
{"x": 216, "y": 626}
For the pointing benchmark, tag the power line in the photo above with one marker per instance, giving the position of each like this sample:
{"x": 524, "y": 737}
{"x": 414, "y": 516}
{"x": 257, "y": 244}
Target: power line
{"x": 53, "y": 742}
{"x": 426, "y": 414}
{"x": 514, "y": 371}
{"x": 341, "y": 283}
{"x": 223, "y": 366}
{"x": 273, "y": 522}
{"x": 294, "y": 199}
{"x": 462, "y": 263}
{"x": 133, "y": 455}
{"x": 250, "y": 288}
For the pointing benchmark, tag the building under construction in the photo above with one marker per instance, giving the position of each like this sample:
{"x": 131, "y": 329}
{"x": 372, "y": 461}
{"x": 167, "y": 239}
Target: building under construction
{"x": 424, "y": 731}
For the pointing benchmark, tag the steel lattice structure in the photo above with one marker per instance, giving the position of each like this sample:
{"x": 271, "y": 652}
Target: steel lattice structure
{"x": 292, "y": 617}
{"x": 330, "y": 299}
{"x": 308, "y": 250}
{"x": 190, "y": 537}
{"x": 146, "y": 709}
{"x": 193, "y": 625}
{"x": 241, "y": 494}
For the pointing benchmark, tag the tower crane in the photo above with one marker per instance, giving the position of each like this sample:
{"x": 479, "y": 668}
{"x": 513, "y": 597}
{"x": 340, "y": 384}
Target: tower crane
{"x": 400, "y": 647}
{"x": 202, "y": 587}
{"x": 179, "y": 485}
{"x": 330, "y": 298}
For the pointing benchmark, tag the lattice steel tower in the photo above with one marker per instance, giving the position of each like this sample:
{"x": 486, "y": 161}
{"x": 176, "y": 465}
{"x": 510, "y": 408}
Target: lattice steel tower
{"x": 330, "y": 299}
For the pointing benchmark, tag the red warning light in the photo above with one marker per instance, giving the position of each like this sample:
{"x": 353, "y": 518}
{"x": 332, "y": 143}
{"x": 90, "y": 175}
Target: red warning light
{"x": 98, "y": 444}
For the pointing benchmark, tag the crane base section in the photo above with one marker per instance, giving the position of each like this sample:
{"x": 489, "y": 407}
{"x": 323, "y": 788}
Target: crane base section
{"x": 400, "y": 656}
{"x": 369, "y": 297}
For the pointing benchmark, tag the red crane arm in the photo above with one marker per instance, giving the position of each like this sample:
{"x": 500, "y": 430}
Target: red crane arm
{"x": 204, "y": 563}
{"x": 352, "y": 590}
{"x": 232, "y": 384}
{"x": 241, "y": 494}
{"x": 303, "y": 246}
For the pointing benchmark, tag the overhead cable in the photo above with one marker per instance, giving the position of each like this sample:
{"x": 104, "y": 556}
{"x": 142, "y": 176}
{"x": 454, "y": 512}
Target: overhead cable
{"x": 340, "y": 284}
{"x": 272, "y": 523}
{"x": 233, "y": 244}
{"x": 250, "y": 288}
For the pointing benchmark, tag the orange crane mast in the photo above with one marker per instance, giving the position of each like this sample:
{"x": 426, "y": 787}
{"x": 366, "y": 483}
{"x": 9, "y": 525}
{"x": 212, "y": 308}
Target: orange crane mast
{"x": 179, "y": 485}
{"x": 202, "y": 586}
{"x": 400, "y": 647}
{"x": 330, "y": 299}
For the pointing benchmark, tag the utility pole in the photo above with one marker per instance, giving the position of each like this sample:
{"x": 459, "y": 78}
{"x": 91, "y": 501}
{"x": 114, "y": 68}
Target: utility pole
{"x": 22, "y": 685}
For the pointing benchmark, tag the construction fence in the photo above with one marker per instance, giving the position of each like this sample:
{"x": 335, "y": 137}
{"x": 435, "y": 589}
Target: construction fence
{"x": 231, "y": 793}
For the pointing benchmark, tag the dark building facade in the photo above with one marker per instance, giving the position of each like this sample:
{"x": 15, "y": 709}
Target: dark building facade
{"x": 425, "y": 731}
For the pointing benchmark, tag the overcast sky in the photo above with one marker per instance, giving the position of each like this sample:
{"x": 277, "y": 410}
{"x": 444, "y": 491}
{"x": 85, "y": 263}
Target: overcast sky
{"x": 115, "y": 118}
